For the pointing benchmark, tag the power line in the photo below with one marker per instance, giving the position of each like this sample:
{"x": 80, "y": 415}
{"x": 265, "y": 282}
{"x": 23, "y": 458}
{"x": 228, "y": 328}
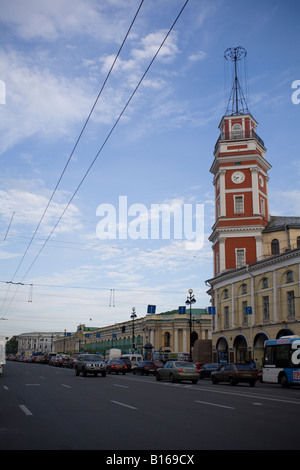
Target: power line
{"x": 107, "y": 137}
{"x": 69, "y": 159}
{"x": 78, "y": 139}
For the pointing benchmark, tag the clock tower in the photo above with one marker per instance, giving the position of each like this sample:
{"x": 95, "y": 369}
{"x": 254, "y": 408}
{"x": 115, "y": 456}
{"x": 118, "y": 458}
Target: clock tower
{"x": 241, "y": 183}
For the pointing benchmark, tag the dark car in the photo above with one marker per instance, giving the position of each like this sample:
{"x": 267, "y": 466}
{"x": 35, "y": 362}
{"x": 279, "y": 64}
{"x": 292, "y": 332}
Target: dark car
{"x": 90, "y": 364}
{"x": 126, "y": 361}
{"x": 235, "y": 373}
{"x": 145, "y": 367}
{"x": 206, "y": 369}
{"x": 116, "y": 366}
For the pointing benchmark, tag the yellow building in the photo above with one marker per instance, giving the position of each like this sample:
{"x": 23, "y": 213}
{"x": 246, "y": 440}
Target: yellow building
{"x": 167, "y": 332}
{"x": 259, "y": 301}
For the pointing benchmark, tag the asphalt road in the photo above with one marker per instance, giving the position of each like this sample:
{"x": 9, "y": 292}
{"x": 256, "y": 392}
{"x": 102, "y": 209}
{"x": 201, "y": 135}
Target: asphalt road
{"x": 49, "y": 408}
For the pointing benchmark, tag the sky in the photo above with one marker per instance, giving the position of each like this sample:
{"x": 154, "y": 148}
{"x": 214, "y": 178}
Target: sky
{"x": 91, "y": 146}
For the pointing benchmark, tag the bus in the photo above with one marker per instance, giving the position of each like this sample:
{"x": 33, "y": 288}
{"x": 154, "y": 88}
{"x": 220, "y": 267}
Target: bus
{"x": 281, "y": 362}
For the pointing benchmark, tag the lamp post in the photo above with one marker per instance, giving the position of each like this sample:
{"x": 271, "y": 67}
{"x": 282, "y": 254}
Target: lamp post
{"x": 133, "y": 317}
{"x": 189, "y": 301}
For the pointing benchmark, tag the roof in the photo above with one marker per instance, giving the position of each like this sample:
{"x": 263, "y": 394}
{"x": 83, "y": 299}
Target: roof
{"x": 277, "y": 223}
{"x": 195, "y": 311}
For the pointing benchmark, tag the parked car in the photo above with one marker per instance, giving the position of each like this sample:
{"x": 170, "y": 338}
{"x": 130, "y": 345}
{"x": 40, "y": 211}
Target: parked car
{"x": 145, "y": 367}
{"x": 206, "y": 369}
{"x": 235, "y": 373}
{"x": 175, "y": 371}
{"x": 90, "y": 364}
{"x": 116, "y": 365}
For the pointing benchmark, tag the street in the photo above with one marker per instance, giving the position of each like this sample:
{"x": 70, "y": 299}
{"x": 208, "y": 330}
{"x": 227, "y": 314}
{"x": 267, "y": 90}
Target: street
{"x": 49, "y": 408}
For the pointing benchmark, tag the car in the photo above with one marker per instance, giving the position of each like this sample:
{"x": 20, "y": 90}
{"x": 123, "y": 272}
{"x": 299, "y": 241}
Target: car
{"x": 235, "y": 373}
{"x": 145, "y": 367}
{"x": 175, "y": 371}
{"x": 116, "y": 365}
{"x": 126, "y": 361}
{"x": 206, "y": 369}
{"x": 90, "y": 364}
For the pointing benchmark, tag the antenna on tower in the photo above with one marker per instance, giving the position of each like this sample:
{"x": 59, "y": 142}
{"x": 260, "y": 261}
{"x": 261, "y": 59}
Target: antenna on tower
{"x": 237, "y": 103}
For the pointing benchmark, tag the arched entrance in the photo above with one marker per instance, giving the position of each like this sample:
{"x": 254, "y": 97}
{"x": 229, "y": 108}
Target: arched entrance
{"x": 241, "y": 349}
{"x": 258, "y": 348}
{"x": 222, "y": 350}
{"x": 284, "y": 332}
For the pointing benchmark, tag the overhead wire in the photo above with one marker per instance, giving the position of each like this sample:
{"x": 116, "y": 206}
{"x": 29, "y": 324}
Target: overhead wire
{"x": 107, "y": 138}
{"x": 72, "y": 152}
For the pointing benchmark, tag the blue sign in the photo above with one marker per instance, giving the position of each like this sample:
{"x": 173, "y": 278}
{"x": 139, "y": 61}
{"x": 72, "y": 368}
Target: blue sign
{"x": 211, "y": 310}
{"x": 248, "y": 310}
{"x": 151, "y": 308}
{"x": 181, "y": 310}
{"x": 97, "y": 335}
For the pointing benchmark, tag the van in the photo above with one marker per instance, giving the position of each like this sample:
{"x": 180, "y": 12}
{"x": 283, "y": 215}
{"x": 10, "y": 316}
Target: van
{"x": 134, "y": 358}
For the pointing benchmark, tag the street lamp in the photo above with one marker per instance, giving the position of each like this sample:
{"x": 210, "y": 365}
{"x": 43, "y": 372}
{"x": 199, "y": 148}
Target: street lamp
{"x": 189, "y": 301}
{"x": 133, "y": 317}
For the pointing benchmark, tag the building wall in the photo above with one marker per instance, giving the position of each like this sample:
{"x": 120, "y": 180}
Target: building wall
{"x": 272, "y": 289}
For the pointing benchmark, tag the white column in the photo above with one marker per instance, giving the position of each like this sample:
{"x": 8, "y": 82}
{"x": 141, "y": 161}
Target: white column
{"x": 222, "y": 193}
{"x": 222, "y": 254}
{"x": 255, "y": 197}
{"x": 275, "y": 311}
{"x": 176, "y": 339}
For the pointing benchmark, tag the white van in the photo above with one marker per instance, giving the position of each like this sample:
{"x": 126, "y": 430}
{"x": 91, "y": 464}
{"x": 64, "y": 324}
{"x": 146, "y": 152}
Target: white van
{"x": 134, "y": 359}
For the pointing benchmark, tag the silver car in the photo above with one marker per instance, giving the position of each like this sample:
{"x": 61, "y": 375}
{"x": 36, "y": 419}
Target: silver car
{"x": 175, "y": 371}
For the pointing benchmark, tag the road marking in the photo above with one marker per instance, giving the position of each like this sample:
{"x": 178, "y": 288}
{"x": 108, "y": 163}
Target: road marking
{"x": 64, "y": 385}
{"x": 5, "y": 387}
{"x": 248, "y": 395}
{"x": 123, "y": 404}
{"x": 121, "y": 386}
{"x": 32, "y": 385}
{"x": 215, "y": 404}
{"x": 26, "y": 410}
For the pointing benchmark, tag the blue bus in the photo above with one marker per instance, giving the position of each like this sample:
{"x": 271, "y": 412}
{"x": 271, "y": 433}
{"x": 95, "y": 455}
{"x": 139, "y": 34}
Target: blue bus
{"x": 281, "y": 362}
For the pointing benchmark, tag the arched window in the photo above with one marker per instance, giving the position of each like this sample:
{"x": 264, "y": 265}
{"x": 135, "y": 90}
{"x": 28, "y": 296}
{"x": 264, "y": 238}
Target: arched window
{"x": 275, "y": 247}
{"x": 167, "y": 338}
{"x": 236, "y": 131}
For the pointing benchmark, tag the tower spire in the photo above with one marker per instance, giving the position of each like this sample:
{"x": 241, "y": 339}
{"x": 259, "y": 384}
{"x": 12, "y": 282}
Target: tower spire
{"x": 237, "y": 103}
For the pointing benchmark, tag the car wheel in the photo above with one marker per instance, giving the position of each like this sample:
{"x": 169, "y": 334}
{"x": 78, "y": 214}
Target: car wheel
{"x": 158, "y": 378}
{"x": 232, "y": 381}
{"x": 172, "y": 378}
{"x": 76, "y": 371}
{"x": 194, "y": 381}
{"x": 214, "y": 380}
{"x": 103, "y": 374}
{"x": 252, "y": 383}
{"x": 84, "y": 372}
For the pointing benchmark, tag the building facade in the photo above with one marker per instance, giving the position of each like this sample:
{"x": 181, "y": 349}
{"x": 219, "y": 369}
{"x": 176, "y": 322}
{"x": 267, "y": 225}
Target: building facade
{"x": 167, "y": 332}
{"x": 255, "y": 288}
{"x": 29, "y": 343}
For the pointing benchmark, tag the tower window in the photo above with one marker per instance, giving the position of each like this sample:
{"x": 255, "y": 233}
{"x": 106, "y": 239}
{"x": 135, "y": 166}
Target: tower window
{"x": 236, "y": 131}
{"x": 289, "y": 276}
{"x": 275, "y": 247}
{"x": 240, "y": 257}
{"x": 238, "y": 204}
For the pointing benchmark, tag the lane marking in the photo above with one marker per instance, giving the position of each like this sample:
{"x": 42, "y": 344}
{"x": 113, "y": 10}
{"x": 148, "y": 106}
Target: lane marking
{"x": 215, "y": 404}
{"x": 64, "y": 385}
{"x": 121, "y": 386}
{"x": 5, "y": 387}
{"x": 123, "y": 404}
{"x": 26, "y": 410}
{"x": 32, "y": 385}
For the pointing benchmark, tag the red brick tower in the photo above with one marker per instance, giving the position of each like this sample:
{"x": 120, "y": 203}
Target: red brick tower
{"x": 240, "y": 178}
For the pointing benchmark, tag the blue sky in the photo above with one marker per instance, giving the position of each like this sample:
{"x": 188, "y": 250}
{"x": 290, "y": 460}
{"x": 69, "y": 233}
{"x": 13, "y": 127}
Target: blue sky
{"x": 54, "y": 58}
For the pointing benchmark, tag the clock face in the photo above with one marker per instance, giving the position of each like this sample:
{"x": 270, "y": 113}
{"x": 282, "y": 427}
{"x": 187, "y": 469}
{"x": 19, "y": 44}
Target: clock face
{"x": 238, "y": 177}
